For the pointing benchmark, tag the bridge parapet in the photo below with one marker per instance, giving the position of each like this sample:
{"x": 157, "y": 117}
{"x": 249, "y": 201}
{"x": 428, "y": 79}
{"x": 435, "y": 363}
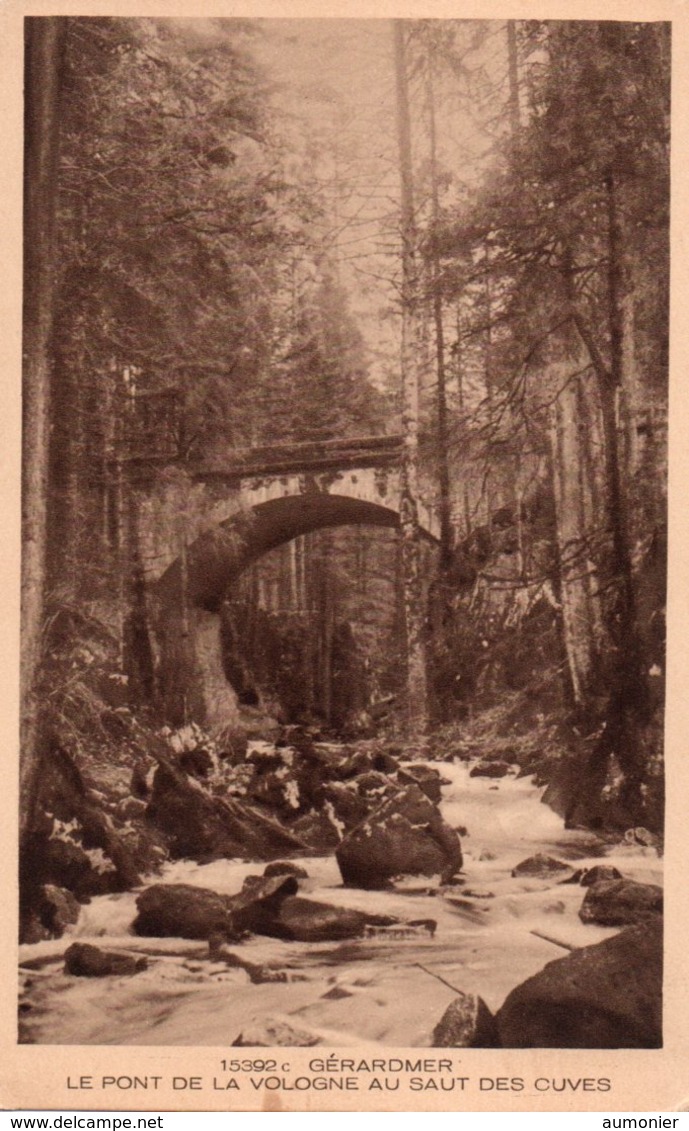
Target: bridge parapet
{"x": 325, "y": 455}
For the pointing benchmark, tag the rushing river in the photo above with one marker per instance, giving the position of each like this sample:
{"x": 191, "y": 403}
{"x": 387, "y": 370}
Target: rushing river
{"x": 366, "y": 992}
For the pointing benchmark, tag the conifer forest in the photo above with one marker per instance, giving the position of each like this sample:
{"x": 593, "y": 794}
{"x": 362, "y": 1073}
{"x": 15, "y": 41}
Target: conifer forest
{"x": 344, "y": 531}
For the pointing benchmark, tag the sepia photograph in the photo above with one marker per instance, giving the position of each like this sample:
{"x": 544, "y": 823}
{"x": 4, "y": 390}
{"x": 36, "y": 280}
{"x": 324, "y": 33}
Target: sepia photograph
{"x": 344, "y": 542}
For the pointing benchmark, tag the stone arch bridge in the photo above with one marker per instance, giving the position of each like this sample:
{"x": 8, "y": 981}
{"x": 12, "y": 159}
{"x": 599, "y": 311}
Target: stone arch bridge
{"x": 199, "y": 526}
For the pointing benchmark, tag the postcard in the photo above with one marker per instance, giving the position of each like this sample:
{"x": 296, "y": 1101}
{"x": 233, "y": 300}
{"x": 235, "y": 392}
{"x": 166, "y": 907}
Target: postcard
{"x": 344, "y": 575}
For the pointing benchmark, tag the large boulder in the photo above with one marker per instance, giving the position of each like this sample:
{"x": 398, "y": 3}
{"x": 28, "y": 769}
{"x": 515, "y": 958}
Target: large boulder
{"x": 361, "y": 761}
{"x": 273, "y": 782}
{"x": 55, "y": 910}
{"x": 270, "y": 906}
{"x": 373, "y": 782}
{"x": 616, "y": 903}
{"x": 199, "y": 825}
{"x": 320, "y": 830}
{"x": 598, "y": 873}
{"x": 405, "y": 836}
{"x": 285, "y": 868}
{"x": 83, "y": 960}
{"x": 489, "y": 769}
{"x": 183, "y": 911}
{"x": 604, "y": 996}
{"x": 349, "y": 806}
{"x": 288, "y": 778}
{"x": 266, "y": 905}
{"x": 355, "y": 798}
{"x": 72, "y": 843}
{"x": 277, "y": 1032}
{"x": 277, "y": 790}
{"x": 307, "y": 920}
{"x": 67, "y": 865}
{"x": 467, "y": 1023}
{"x": 59, "y": 909}
{"x": 426, "y": 777}
{"x": 257, "y": 907}
{"x": 542, "y": 867}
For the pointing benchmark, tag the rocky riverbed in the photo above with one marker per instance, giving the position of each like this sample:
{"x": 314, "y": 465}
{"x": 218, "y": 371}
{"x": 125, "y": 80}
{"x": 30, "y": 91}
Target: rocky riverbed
{"x": 426, "y": 942}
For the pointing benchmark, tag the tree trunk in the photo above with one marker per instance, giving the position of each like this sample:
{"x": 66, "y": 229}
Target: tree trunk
{"x": 65, "y": 451}
{"x": 629, "y": 692}
{"x": 459, "y": 364}
{"x": 627, "y": 707}
{"x": 45, "y": 38}
{"x": 513, "y": 74}
{"x": 577, "y": 573}
{"x": 326, "y": 616}
{"x": 618, "y": 516}
{"x": 409, "y": 524}
{"x": 442, "y": 440}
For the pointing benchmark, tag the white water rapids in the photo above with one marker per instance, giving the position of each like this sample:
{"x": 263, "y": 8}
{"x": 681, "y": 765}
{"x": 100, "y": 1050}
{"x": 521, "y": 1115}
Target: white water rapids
{"x": 365, "y": 992}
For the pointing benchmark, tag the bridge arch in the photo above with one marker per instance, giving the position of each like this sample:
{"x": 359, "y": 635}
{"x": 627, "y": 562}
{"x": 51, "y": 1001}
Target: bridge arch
{"x": 219, "y": 555}
{"x": 187, "y": 598}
